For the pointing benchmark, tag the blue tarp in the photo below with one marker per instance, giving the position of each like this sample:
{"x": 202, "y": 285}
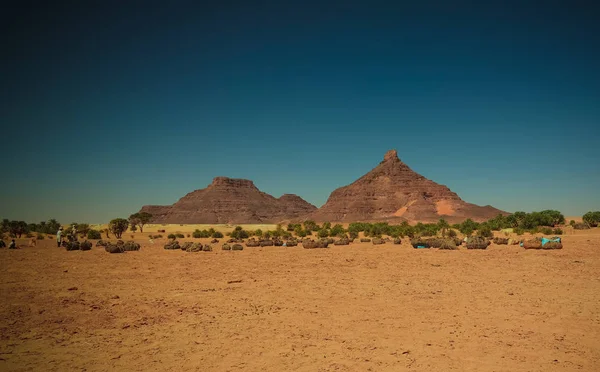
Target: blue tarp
{"x": 555, "y": 239}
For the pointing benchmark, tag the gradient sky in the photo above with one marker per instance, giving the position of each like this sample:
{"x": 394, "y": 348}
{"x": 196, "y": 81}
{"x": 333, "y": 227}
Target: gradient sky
{"x": 107, "y": 107}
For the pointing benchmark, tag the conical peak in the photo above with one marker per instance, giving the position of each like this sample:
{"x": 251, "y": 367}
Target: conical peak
{"x": 391, "y": 156}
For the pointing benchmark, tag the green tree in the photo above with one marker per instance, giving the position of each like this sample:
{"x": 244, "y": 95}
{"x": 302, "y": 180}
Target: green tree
{"x": 118, "y": 226}
{"x": 468, "y": 226}
{"x": 140, "y": 219}
{"x": 443, "y": 226}
{"x": 82, "y": 229}
{"x": 18, "y": 228}
{"x": 592, "y": 218}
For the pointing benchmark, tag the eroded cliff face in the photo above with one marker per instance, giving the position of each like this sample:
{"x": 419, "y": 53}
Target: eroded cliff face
{"x": 230, "y": 200}
{"x": 392, "y": 191}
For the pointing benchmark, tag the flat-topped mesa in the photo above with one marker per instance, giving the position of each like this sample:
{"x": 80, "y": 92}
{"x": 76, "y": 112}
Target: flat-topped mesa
{"x": 291, "y": 197}
{"x": 230, "y": 200}
{"x": 232, "y": 182}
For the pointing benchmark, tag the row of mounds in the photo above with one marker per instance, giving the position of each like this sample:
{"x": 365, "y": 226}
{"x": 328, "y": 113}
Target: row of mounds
{"x": 118, "y": 247}
{"x": 188, "y": 246}
{"x": 311, "y": 244}
{"x": 77, "y": 246}
{"x": 234, "y": 247}
{"x": 441, "y": 243}
{"x": 543, "y": 243}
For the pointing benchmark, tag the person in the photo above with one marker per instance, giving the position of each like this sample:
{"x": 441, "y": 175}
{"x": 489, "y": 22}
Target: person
{"x": 59, "y": 236}
{"x": 12, "y": 245}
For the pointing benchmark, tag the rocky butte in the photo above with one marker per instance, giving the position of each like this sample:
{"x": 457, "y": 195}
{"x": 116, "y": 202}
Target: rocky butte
{"x": 393, "y": 191}
{"x": 229, "y": 201}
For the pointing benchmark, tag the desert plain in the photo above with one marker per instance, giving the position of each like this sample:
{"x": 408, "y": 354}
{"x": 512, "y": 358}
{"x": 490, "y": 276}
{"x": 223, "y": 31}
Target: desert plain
{"x": 345, "y": 308}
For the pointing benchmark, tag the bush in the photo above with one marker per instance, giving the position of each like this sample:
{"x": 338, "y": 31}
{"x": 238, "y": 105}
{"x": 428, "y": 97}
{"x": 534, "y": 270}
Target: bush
{"x": 451, "y": 233}
{"x": 581, "y": 226}
{"x": 200, "y": 234}
{"x": 519, "y": 231}
{"x": 94, "y": 234}
{"x": 172, "y": 236}
{"x": 557, "y": 231}
{"x": 486, "y": 232}
{"x": 217, "y": 235}
{"x": 238, "y": 233}
{"x": 180, "y": 235}
{"x": 546, "y": 230}
{"x": 323, "y": 233}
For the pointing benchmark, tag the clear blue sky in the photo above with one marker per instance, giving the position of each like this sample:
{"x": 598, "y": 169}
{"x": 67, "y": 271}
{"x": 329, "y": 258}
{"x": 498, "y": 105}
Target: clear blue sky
{"x": 107, "y": 107}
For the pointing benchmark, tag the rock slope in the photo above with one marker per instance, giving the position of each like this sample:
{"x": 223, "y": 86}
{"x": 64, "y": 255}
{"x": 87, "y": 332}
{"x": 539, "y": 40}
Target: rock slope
{"x": 229, "y": 200}
{"x": 393, "y": 191}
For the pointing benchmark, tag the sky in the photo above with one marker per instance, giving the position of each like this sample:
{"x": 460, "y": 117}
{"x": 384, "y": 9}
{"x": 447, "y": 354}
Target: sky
{"x": 107, "y": 107}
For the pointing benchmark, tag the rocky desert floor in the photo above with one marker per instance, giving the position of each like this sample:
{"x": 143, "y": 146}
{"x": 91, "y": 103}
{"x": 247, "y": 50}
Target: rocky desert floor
{"x": 347, "y": 308}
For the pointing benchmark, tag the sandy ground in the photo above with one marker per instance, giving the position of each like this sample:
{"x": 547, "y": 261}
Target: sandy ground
{"x": 347, "y": 308}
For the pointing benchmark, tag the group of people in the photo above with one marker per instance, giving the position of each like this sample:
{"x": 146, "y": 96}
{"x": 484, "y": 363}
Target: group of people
{"x": 33, "y": 241}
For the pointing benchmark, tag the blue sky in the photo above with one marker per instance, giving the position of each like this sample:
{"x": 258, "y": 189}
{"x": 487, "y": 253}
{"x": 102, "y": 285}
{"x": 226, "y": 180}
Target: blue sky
{"x": 106, "y": 108}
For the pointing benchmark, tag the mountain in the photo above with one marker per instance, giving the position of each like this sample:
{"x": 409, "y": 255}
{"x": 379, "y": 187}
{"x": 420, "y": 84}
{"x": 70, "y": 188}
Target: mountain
{"x": 230, "y": 201}
{"x": 393, "y": 191}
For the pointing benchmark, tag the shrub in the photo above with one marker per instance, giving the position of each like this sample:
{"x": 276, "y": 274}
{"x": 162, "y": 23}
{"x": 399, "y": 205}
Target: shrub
{"x": 180, "y": 235}
{"x": 519, "y": 231}
{"x": 300, "y": 232}
{"x": 557, "y": 231}
{"x": 94, "y": 234}
{"x": 451, "y": 233}
{"x": 238, "y": 233}
{"x": 323, "y": 233}
{"x": 581, "y": 226}
{"x": 337, "y": 230}
{"x": 40, "y": 236}
{"x": 352, "y": 235}
{"x": 486, "y": 232}
{"x": 172, "y": 236}
{"x": 200, "y": 234}
{"x": 217, "y": 235}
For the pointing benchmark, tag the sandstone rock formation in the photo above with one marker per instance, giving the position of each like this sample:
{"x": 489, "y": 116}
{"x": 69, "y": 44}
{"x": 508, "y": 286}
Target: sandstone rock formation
{"x": 228, "y": 200}
{"x": 393, "y": 191}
